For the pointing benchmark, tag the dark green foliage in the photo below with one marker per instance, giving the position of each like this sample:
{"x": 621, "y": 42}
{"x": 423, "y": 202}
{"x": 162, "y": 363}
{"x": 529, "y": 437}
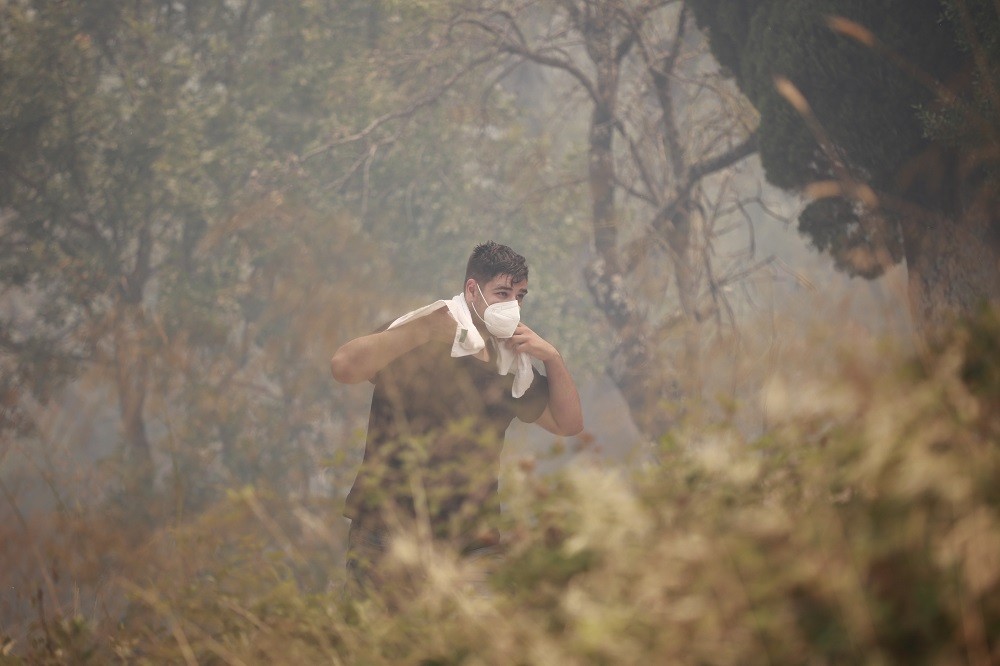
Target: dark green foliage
{"x": 726, "y": 24}
{"x": 878, "y": 114}
{"x": 544, "y": 564}
{"x": 863, "y": 100}
{"x": 821, "y": 623}
{"x": 979, "y": 337}
{"x": 849, "y": 233}
{"x": 909, "y": 599}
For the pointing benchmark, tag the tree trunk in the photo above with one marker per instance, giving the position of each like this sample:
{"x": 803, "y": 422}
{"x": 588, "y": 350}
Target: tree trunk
{"x": 132, "y": 374}
{"x": 953, "y": 268}
{"x": 653, "y": 394}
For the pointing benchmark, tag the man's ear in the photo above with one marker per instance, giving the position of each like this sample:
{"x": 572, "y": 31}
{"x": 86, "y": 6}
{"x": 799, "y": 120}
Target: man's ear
{"x": 470, "y": 289}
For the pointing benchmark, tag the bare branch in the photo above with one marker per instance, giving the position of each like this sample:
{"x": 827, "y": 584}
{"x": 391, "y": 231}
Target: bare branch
{"x": 719, "y": 162}
{"x": 644, "y": 173}
{"x": 660, "y": 69}
{"x": 419, "y": 103}
{"x": 521, "y": 48}
{"x": 362, "y": 162}
{"x": 574, "y": 13}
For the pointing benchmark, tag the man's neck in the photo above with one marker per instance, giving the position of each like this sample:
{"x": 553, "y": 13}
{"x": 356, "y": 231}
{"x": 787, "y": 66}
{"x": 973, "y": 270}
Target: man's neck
{"x": 489, "y": 351}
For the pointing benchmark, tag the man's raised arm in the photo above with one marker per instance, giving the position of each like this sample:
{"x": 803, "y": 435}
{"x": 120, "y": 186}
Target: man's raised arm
{"x": 362, "y": 358}
{"x": 563, "y": 415}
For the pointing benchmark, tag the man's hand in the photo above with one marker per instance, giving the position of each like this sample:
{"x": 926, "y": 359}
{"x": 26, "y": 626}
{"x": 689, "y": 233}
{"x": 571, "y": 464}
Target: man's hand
{"x": 528, "y": 342}
{"x": 563, "y": 415}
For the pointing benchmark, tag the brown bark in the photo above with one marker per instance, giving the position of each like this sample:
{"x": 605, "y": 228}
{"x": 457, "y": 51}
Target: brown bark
{"x": 647, "y": 392}
{"x": 953, "y": 267}
{"x": 599, "y": 38}
{"x": 132, "y": 376}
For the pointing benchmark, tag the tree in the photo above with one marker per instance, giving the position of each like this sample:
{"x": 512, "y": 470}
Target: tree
{"x": 656, "y": 153}
{"x": 149, "y": 191}
{"x": 882, "y": 88}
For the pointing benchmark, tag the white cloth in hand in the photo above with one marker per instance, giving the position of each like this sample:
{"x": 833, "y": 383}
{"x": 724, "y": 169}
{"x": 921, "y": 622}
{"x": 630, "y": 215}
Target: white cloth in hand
{"x": 468, "y": 340}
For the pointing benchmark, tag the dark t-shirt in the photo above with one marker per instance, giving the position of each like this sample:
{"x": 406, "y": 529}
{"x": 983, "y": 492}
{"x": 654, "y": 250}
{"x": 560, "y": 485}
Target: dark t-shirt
{"x": 435, "y": 434}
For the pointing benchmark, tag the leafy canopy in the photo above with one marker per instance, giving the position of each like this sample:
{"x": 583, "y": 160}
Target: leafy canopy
{"x": 873, "y": 106}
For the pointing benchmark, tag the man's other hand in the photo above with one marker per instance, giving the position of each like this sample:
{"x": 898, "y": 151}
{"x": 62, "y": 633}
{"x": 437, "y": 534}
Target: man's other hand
{"x": 528, "y": 342}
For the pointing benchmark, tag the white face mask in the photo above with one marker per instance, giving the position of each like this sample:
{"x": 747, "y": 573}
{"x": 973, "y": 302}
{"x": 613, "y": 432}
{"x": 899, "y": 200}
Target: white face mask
{"x": 502, "y": 318}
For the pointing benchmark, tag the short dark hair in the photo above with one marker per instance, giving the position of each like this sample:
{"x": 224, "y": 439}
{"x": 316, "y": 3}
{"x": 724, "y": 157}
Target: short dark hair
{"x": 491, "y": 259}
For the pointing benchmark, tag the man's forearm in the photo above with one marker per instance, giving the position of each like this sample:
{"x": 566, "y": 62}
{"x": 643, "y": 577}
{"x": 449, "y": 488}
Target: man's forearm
{"x": 564, "y": 399}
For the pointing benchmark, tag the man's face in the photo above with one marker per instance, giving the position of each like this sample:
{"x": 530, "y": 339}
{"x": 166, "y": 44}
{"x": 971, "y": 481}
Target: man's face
{"x": 500, "y": 288}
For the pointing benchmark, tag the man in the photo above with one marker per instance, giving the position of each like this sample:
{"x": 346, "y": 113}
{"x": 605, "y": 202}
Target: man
{"x": 442, "y": 402}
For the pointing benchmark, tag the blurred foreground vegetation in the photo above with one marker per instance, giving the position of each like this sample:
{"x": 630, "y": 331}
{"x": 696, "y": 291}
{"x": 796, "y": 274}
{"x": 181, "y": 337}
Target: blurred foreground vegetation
{"x": 862, "y": 527}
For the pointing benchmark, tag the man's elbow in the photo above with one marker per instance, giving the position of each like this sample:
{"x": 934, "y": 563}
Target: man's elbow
{"x": 566, "y": 427}
{"x": 343, "y": 370}
{"x": 572, "y": 421}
